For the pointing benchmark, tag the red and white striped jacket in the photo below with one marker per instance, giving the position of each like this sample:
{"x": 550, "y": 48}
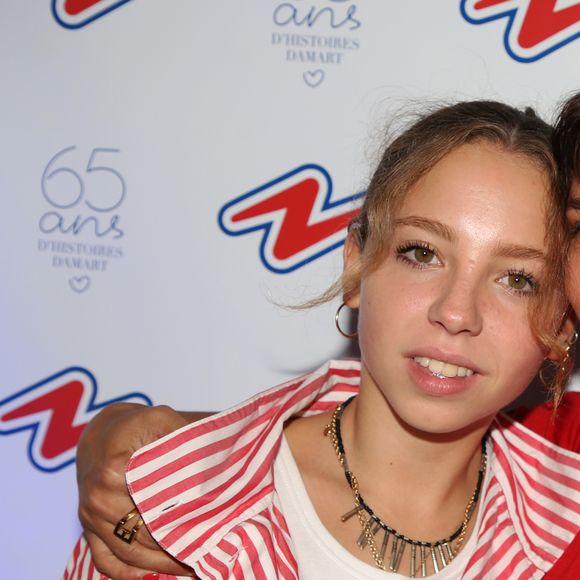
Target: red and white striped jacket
{"x": 208, "y": 496}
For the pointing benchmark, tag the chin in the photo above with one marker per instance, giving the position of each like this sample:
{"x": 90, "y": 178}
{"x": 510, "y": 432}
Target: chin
{"x": 437, "y": 420}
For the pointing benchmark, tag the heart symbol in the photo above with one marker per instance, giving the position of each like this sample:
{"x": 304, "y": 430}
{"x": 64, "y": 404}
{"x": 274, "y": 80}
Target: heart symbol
{"x": 313, "y": 77}
{"x": 79, "y": 283}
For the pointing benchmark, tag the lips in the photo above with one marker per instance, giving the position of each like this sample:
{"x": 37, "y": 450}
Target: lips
{"x": 438, "y": 355}
{"x": 439, "y": 373}
{"x": 443, "y": 369}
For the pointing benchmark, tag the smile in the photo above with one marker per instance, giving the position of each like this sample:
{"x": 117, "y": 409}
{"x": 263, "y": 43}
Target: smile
{"x": 441, "y": 368}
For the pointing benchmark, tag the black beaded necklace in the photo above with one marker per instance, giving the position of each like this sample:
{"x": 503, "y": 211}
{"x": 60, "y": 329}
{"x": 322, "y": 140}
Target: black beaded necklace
{"x": 439, "y": 553}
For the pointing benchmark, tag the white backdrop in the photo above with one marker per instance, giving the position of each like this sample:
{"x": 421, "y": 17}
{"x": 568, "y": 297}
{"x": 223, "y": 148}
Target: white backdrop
{"x": 128, "y": 126}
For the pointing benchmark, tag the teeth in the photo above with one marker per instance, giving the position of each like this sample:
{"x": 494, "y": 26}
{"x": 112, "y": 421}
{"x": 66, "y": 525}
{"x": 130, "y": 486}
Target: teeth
{"x": 441, "y": 368}
{"x": 449, "y": 370}
{"x": 422, "y": 360}
{"x": 436, "y": 366}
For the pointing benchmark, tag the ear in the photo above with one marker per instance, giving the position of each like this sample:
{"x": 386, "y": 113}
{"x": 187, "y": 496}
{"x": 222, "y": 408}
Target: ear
{"x": 567, "y": 335}
{"x": 351, "y": 262}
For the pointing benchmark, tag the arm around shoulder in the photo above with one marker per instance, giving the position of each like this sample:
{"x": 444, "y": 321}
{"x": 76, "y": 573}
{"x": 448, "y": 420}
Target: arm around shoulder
{"x": 104, "y": 449}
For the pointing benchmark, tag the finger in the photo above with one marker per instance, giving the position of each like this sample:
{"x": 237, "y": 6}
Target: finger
{"x": 108, "y": 564}
{"x": 136, "y": 555}
{"x": 104, "y": 529}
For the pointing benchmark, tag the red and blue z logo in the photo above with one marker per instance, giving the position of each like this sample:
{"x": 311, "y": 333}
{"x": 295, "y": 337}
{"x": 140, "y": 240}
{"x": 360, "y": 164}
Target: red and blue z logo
{"x": 534, "y": 28}
{"x": 55, "y": 411}
{"x": 79, "y": 13}
{"x": 296, "y": 216}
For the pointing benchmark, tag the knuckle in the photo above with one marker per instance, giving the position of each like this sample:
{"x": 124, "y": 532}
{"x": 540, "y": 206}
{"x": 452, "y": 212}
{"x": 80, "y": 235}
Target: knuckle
{"x": 161, "y": 411}
{"x": 111, "y": 477}
{"x": 84, "y": 515}
{"x": 92, "y": 506}
{"x": 90, "y": 500}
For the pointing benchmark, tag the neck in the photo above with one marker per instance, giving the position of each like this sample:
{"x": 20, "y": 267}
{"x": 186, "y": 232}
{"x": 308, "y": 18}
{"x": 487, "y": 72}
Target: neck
{"x": 434, "y": 472}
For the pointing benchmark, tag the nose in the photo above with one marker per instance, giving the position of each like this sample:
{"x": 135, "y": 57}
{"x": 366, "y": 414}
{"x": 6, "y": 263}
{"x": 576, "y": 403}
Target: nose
{"x": 457, "y": 306}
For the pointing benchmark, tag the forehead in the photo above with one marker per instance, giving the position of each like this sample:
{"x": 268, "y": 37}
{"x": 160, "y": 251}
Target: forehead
{"x": 483, "y": 188}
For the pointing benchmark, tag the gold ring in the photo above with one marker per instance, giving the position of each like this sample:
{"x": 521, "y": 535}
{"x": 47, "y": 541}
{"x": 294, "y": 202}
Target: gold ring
{"x": 122, "y": 532}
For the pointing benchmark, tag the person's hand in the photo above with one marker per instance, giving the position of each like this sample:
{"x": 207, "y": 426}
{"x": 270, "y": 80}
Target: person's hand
{"x": 104, "y": 449}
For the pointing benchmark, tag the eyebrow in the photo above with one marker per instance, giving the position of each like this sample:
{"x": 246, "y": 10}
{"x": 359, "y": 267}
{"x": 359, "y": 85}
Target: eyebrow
{"x": 501, "y": 250}
{"x": 518, "y": 252}
{"x": 432, "y": 226}
{"x": 574, "y": 203}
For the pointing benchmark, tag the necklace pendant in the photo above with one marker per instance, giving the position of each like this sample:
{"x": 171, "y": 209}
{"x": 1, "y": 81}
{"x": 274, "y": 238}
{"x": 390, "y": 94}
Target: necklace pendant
{"x": 363, "y": 539}
{"x": 376, "y": 528}
{"x": 398, "y": 556}
{"x": 350, "y": 513}
{"x": 370, "y": 528}
{"x": 384, "y": 545}
{"x": 440, "y": 554}
{"x": 449, "y": 551}
{"x": 394, "y": 546}
{"x": 444, "y": 561}
{"x": 434, "y": 560}
{"x": 413, "y": 558}
{"x": 423, "y": 561}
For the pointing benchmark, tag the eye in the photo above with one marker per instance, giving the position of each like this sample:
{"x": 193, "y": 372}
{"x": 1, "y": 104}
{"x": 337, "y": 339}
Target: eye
{"x": 418, "y": 254}
{"x": 520, "y": 282}
{"x": 574, "y": 230}
{"x": 423, "y": 255}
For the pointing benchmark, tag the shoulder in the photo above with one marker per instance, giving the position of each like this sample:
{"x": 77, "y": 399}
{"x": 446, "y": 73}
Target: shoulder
{"x": 561, "y": 427}
{"x": 316, "y": 459}
{"x": 312, "y": 452}
{"x": 535, "y": 466}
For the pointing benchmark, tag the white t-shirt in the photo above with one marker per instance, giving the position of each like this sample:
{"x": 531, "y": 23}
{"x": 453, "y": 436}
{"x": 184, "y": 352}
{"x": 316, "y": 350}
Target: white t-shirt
{"x": 318, "y": 554}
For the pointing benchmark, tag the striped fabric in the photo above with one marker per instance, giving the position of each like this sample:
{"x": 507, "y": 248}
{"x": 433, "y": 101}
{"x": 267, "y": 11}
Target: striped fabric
{"x": 207, "y": 492}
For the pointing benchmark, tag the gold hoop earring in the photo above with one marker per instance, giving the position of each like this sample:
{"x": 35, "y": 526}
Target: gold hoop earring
{"x": 560, "y": 366}
{"x": 337, "y": 322}
{"x": 543, "y": 379}
{"x": 566, "y": 361}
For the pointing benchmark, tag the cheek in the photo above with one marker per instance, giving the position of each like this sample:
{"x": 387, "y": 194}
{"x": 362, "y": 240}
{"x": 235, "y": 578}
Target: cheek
{"x": 519, "y": 355}
{"x": 391, "y": 317}
{"x": 387, "y": 307}
{"x": 526, "y": 359}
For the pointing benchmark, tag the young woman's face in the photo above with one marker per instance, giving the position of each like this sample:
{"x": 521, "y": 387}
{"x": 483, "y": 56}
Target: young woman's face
{"x": 573, "y": 216}
{"x": 443, "y": 322}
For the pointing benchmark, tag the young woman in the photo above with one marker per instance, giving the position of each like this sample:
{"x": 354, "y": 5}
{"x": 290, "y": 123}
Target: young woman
{"x": 399, "y": 464}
